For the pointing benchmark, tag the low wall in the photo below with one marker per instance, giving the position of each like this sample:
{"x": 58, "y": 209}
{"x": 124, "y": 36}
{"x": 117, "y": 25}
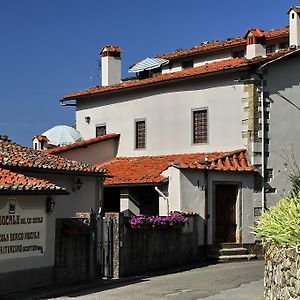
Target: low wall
{"x": 145, "y": 250}
{"x": 282, "y": 275}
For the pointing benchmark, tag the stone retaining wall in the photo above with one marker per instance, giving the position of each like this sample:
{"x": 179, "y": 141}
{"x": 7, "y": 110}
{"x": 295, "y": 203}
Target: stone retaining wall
{"x": 282, "y": 275}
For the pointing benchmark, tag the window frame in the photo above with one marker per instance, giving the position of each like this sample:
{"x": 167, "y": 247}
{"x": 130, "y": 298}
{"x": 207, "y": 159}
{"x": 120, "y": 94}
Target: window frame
{"x": 100, "y": 125}
{"x": 193, "y": 127}
{"x": 135, "y": 133}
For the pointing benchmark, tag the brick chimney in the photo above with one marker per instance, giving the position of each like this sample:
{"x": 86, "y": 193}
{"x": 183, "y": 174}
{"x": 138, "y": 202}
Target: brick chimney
{"x": 111, "y": 65}
{"x": 294, "y": 14}
{"x": 256, "y": 43}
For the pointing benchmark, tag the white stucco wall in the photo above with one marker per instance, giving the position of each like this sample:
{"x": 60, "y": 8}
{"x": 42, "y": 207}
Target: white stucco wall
{"x": 283, "y": 84}
{"x": 187, "y": 192}
{"x": 110, "y": 70}
{"x": 294, "y": 28}
{"x": 168, "y": 114}
{"x": 255, "y": 50}
{"x": 202, "y": 60}
{"x": 93, "y": 153}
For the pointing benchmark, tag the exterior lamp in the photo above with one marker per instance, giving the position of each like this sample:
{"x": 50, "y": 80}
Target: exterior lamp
{"x": 50, "y": 203}
{"x": 87, "y": 119}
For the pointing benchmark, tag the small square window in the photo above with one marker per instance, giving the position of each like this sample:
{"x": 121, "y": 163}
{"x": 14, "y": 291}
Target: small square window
{"x": 200, "y": 126}
{"x": 140, "y": 134}
{"x": 188, "y": 64}
{"x": 100, "y": 130}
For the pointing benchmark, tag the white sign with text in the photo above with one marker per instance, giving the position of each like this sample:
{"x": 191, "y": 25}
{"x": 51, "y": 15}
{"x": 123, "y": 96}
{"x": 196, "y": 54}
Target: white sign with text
{"x": 22, "y": 230}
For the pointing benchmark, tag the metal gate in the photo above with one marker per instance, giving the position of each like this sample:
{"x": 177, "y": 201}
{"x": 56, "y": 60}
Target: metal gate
{"x": 107, "y": 248}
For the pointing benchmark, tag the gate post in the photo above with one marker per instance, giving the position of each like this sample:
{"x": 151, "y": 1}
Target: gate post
{"x": 93, "y": 247}
{"x": 112, "y": 250}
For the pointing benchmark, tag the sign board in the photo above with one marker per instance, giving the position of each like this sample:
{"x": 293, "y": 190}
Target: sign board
{"x": 22, "y": 229}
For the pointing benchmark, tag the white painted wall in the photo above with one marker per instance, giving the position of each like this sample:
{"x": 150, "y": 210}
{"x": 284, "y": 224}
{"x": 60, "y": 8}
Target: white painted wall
{"x": 110, "y": 70}
{"x": 283, "y": 84}
{"x": 192, "y": 197}
{"x": 93, "y": 153}
{"x": 173, "y": 191}
{"x": 168, "y": 114}
{"x": 255, "y": 50}
{"x": 294, "y": 28}
{"x": 202, "y": 60}
{"x": 199, "y": 60}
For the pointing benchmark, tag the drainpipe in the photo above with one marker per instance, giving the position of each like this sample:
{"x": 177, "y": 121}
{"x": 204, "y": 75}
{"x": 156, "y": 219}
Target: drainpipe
{"x": 262, "y": 101}
{"x": 206, "y": 207}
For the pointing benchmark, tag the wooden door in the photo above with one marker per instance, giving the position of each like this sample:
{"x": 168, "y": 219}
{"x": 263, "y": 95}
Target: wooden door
{"x": 225, "y": 205}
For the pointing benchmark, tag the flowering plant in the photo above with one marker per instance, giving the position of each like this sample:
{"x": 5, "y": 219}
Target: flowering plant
{"x": 157, "y": 221}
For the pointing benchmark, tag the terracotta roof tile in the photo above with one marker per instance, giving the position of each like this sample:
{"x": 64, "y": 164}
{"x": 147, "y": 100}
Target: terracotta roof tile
{"x": 11, "y": 181}
{"x": 207, "y": 69}
{"x": 148, "y": 169}
{"x": 111, "y": 48}
{"x": 84, "y": 143}
{"x": 13, "y": 155}
{"x": 41, "y": 138}
{"x": 220, "y": 45}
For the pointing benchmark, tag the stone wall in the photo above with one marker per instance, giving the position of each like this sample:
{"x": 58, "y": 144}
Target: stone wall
{"x": 282, "y": 275}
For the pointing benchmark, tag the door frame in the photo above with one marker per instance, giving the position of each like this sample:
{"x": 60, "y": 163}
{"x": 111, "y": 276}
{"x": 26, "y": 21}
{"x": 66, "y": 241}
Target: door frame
{"x": 238, "y": 209}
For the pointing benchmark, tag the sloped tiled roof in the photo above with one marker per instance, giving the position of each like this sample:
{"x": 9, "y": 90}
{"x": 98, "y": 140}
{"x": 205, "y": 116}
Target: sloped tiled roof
{"x": 41, "y": 138}
{"x": 148, "y": 169}
{"x": 220, "y": 45}
{"x": 84, "y": 143}
{"x": 232, "y": 64}
{"x": 13, "y": 155}
{"x": 15, "y": 182}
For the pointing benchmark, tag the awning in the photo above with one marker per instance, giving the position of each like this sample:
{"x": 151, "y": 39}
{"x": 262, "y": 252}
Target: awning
{"x": 148, "y": 64}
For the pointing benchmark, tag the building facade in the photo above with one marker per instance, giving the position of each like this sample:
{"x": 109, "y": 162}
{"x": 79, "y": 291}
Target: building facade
{"x": 235, "y": 96}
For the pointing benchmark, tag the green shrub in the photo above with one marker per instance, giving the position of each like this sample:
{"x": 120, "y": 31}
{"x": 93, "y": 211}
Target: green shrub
{"x": 280, "y": 225}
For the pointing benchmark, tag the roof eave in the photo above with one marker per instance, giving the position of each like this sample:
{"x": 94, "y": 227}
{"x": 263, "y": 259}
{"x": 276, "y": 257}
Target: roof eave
{"x": 33, "y": 192}
{"x": 52, "y": 171}
{"x": 208, "y": 74}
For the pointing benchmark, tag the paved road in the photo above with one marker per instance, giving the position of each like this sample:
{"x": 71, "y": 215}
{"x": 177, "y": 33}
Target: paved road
{"x": 234, "y": 281}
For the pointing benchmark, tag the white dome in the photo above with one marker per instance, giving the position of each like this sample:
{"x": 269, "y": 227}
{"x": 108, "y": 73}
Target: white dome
{"x": 62, "y": 135}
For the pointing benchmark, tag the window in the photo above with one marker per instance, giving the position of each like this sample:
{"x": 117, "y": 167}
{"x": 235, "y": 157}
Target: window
{"x": 100, "y": 130}
{"x": 200, "y": 126}
{"x": 240, "y": 53}
{"x": 270, "y": 49}
{"x": 140, "y": 134}
{"x": 188, "y": 64}
{"x": 283, "y": 46}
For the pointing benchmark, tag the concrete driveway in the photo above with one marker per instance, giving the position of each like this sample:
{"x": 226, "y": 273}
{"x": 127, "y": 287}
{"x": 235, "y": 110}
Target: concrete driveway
{"x": 238, "y": 281}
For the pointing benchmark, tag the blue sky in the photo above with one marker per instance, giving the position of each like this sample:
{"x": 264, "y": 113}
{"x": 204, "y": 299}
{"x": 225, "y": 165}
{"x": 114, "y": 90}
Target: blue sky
{"x": 51, "y": 48}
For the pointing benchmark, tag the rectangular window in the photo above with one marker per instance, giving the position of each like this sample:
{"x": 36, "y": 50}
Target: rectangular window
{"x": 200, "y": 126}
{"x": 270, "y": 49}
{"x": 100, "y": 130}
{"x": 283, "y": 45}
{"x": 188, "y": 64}
{"x": 140, "y": 134}
{"x": 240, "y": 53}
